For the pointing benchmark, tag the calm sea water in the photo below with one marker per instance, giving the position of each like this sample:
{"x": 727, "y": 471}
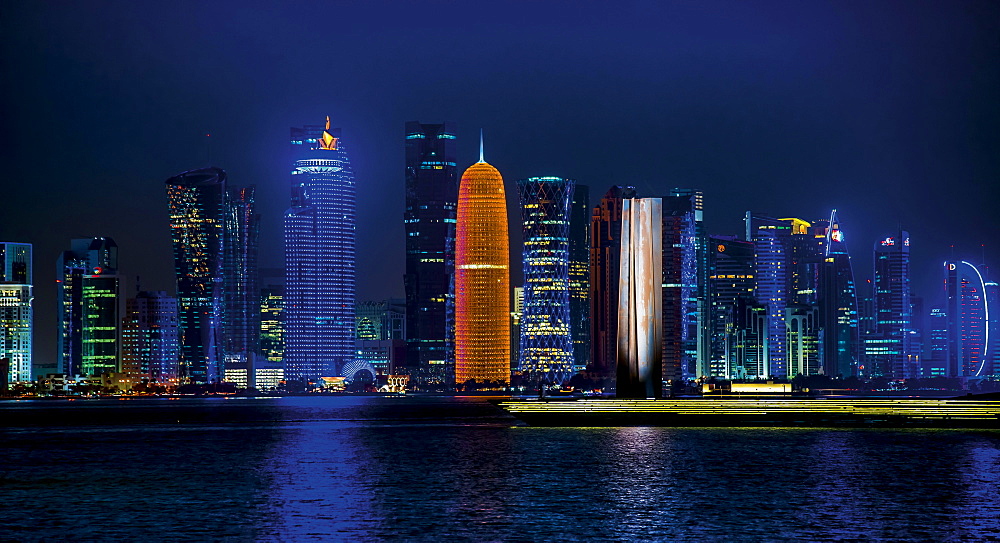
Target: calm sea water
{"x": 457, "y": 469}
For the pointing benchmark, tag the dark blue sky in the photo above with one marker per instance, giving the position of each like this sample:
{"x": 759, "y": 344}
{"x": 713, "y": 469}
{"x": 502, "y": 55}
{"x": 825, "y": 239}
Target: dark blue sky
{"x": 888, "y": 111}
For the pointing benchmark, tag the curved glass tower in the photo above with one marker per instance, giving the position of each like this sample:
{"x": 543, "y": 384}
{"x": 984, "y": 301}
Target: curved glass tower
{"x": 482, "y": 278}
{"x": 319, "y": 256}
{"x": 968, "y": 321}
{"x": 839, "y": 305}
{"x": 197, "y": 202}
{"x": 546, "y": 346}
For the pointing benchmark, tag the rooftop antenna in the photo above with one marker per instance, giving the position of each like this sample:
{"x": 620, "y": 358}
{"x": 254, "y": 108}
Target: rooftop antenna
{"x": 481, "y": 159}
{"x": 208, "y": 149}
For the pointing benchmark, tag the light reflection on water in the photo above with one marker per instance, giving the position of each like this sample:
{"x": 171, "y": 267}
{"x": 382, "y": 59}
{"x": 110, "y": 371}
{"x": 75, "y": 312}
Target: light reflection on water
{"x": 369, "y": 468}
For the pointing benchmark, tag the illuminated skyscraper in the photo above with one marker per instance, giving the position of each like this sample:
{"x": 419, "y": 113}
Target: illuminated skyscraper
{"x": 16, "y": 309}
{"x": 546, "y": 345}
{"x": 579, "y": 276}
{"x": 640, "y": 329}
{"x": 683, "y": 243}
{"x": 86, "y": 258}
{"x": 605, "y": 260}
{"x": 482, "y": 277}
{"x": 319, "y": 256}
{"x": 888, "y": 352}
{"x": 838, "y": 305}
{"x": 993, "y": 329}
{"x": 429, "y": 222}
{"x": 772, "y": 247}
{"x": 101, "y": 317}
{"x": 272, "y": 323}
{"x": 241, "y": 320}
{"x": 731, "y": 278}
{"x": 968, "y": 315}
{"x": 197, "y": 205}
{"x": 151, "y": 337}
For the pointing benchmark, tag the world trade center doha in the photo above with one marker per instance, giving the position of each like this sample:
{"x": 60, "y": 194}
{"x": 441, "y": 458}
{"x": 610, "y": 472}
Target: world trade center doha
{"x": 320, "y": 243}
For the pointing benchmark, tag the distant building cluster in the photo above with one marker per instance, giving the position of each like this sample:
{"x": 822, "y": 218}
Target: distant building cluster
{"x": 628, "y": 287}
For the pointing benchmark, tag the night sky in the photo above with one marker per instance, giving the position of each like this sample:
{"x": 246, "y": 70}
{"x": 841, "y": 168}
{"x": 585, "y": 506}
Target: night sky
{"x": 887, "y": 111}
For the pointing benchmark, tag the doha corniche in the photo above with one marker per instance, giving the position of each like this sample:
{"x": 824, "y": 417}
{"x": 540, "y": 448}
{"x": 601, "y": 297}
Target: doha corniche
{"x": 259, "y": 282}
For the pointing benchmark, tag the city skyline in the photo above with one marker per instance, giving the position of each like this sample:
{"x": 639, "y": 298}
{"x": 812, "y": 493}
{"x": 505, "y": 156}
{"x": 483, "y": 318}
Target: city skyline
{"x": 741, "y": 111}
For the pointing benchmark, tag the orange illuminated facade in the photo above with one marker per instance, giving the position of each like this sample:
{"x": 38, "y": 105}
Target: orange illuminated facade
{"x": 482, "y": 278}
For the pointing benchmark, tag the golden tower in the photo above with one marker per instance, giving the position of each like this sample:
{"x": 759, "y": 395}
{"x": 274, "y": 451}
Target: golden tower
{"x": 482, "y": 277}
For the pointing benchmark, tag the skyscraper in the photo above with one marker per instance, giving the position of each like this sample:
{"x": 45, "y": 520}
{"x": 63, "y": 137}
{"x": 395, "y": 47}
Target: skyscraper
{"x": 838, "y": 305}
{"x": 319, "y": 256}
{"x": 197, "y": 205}
{"x": 101, "y": 317}
{"x": 691, "y": 203}
{"x": 579, "y": 276}
{"x": 640, "y": 348}
{"x": 16, "y": 312}
{"x": 968, "y": 315}
{"x": 546, "y": 343}
{"x": 888, "y": 351}
{"x": 772, "y": 248}
{"x": 241, "y": 319}
{"x": 731, "y": 278}
{"x": 605, "y": 260}
{"x": 272, "y": 323}
{"x": 682, "y": 301}
{"x": 429, "y": 222}
{"x": 151, "y": 337}
{"x": 482, "y": 277}
{"x": 86, "y": 257}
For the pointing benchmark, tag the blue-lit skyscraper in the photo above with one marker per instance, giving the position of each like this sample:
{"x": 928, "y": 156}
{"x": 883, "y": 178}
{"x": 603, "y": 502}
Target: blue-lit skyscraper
{"x": 968, "y": 315}
{"x": 319, "y": 256}
{"x": 888, "y": 351}
{"x": 16, "y": 313}
{"x": 772, "y": 247}
{"x": 838, "y": 304}
{"x": 546, "y": 346}
{"x": 429, "y": 222}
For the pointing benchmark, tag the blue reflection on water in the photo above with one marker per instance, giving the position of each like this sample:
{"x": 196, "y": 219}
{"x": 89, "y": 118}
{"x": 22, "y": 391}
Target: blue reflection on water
{"x": 433, "y": 468}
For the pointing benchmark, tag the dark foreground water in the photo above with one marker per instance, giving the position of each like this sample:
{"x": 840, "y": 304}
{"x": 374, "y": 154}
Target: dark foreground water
{"x": 457, "y": 469}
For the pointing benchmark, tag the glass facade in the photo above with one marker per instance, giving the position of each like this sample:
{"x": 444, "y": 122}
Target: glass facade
{"x": 546, "y": 343}
{"x": 429, "y": 223}
{"x": 151, "y": 337}
{"x": 482, "y": 278}
{"x": 968, "y": 321}
{"x": 197, "y": 205}
{"x": 16, "y": 312}
{"x": 579, "y": 276}
{"x": 772, "y": 247}
{"x": 888, "y": 351}
{"x": 605, "y": 260}
{"x": 320, "y": 243}
{"x": 241, "y": 320}
{"x": 731, "y": 279}
{"x": 88, "y": 256}
{"x": 838, "y": 304}
{"x": 272, "y": 323}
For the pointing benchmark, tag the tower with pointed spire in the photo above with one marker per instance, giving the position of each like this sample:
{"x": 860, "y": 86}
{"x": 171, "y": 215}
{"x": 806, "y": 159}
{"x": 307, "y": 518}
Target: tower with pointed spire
{"x": 482, "y": 276}
{"x": 319, "y": 256}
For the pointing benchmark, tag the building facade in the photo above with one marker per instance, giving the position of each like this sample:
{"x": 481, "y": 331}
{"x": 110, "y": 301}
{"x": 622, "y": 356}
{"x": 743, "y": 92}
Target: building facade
{"x": 151, "y": 337}
{"x": 197, "y": 205}
{"x": 730, "y": 279}
{"x": 968, "y": 316}
{"x": 579, "y": 276}
{"x": 838, "y": 306}
{"x": 640, "y": 328}
{"x": 888, "y": 350}
{"x": 482, "y": 278}
{"x": 86, "y": 257}
{"x": 320, "y": 253}
{"x": 605, "y": 263}
{"x": 16, "y": 311}
{"x": 429, "y": 222}
{"x": 546, "y": 342}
